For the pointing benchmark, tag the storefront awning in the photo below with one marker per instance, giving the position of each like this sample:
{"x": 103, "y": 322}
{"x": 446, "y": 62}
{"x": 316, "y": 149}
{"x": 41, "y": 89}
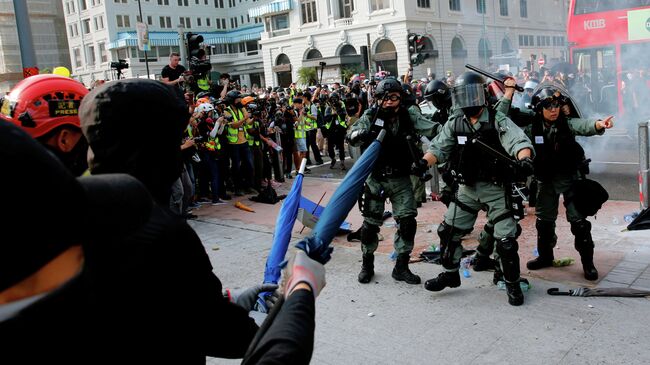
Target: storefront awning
{"x": 157, "y": 39}
{"x": 277, "y": 6}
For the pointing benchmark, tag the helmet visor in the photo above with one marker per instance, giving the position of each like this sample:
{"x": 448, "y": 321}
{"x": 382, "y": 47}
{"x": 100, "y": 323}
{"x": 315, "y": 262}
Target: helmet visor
{"x": 466, "y": 96}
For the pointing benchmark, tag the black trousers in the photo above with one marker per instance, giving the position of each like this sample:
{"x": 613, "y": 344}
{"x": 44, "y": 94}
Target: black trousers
{"x": 336, "y": 138}
{"x": 311, "y": 145}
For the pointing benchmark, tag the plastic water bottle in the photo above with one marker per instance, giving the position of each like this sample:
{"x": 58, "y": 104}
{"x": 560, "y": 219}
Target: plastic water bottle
{"x": 501, "y": 285}
{"x": 393, "y": 255}
{"x": 630, "y": 217}
{"x": 464, "y": 265}
{"x": 535, "y": 252}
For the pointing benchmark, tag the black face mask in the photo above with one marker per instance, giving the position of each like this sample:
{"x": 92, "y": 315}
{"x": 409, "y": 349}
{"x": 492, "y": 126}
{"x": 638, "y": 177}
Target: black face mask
{"x": 76, "y": 160}
{"x": 472, "y": 111}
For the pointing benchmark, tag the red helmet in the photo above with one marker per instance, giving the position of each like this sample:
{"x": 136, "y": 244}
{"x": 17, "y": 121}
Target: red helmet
{"x": 41, "y": 103}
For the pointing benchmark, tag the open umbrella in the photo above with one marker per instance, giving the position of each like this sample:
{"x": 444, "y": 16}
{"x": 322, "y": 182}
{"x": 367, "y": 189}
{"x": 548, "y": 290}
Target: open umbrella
{"x": 601, "y": 292}
{"x": 282, "y": 235}
{"x": 345, "y": 197}
{"x": 642, "y": 221}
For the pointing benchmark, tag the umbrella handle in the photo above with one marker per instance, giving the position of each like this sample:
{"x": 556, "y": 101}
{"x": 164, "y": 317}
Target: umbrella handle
{"x": 556, "y": 291}
{"x": 303, "y": 165}
{"x": 381, "y": 135}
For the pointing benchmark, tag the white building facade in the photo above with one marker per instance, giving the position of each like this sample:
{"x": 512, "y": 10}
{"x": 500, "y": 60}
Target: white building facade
{"x": 104, "y": 31}
{"x": 48, "y": 36}
{"x": 486, "y": 33}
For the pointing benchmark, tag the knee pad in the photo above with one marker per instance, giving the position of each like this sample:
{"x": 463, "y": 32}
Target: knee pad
{"x": 368, "y": 233}
{"x": 581, "y": 229}
{"x": 445, "y": 232}
{"x": 507, "y": 247}
{"x": 545, "y": 230}
{"x": 407, "y": 227}
{"x": 489, "y": 229}
{"x": 519, "y": 230}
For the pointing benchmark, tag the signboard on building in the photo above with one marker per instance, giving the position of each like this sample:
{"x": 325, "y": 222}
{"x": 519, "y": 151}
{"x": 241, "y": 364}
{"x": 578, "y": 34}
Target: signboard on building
{"x": 143, "y": 36}
{"x": 638, "y": 24}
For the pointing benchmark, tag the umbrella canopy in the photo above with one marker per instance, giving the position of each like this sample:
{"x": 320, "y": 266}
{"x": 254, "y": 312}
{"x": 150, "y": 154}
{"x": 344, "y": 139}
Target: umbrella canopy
{"x": 343, "y": 200}
{"x": 283, "y": 226}
{"x": 642, "y": 221}
{"x": 601, "y": 292}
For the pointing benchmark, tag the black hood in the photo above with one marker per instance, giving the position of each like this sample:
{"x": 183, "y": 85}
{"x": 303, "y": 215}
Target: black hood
{"x": 135, "y": 127}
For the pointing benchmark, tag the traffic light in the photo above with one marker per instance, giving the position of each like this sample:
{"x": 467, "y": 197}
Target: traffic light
{"x": 416, "y": 44}
{"x": 194, "y": 46}
{"x": 364, "y": 58}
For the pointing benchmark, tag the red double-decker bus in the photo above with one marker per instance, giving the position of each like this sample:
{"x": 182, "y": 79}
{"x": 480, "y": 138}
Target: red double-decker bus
{"x": 609, "y": 43}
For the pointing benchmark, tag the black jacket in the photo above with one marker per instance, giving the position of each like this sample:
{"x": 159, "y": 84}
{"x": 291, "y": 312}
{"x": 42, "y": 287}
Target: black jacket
{"x": 149, "y": 298}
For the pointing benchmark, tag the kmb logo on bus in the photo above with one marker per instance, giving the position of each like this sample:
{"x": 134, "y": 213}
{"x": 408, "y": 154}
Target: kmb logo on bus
{"x": 594, "y": 24}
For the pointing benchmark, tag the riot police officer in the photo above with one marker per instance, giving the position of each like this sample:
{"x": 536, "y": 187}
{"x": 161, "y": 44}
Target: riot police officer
{"x": 483, "y": 180}
{"x": 559, "y": 163}
{"x": 336, "y": 124}
{"x": 438, "y": 94}
{"x": 390, "y": 177}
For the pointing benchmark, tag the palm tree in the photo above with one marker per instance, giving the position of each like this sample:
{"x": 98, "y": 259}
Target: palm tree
{"x": 307, "y": 76}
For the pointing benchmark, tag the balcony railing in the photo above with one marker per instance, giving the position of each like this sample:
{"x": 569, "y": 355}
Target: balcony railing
{"x": 342, "y": 22}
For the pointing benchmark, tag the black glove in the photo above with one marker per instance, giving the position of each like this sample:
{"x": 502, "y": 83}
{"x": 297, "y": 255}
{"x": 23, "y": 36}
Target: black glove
{"x": 359, "y": 136}
{"x": 525, "y": 168}
{"x": 420, "y": 167}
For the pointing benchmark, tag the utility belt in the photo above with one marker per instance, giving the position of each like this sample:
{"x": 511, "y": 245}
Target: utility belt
{"x": 459, "y": 178}
{"x": 387, "y": 172}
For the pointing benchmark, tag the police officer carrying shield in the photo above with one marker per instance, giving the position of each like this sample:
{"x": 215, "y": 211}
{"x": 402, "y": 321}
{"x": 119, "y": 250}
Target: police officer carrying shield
{"x": 559, "y": 163}
{"x": 483, "y": 180}
{"x": 390, "y": 177}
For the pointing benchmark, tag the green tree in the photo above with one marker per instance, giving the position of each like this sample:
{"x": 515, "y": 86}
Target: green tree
{"x": 348, "y": 71}
{"x": 307, "y": 76}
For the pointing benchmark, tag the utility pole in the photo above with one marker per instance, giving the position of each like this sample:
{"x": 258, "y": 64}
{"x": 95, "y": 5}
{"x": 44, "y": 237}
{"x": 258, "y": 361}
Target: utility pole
{"x": 181, "y": 44}
{"x": 24, "y": 30}
{"x": 146, "y": 58}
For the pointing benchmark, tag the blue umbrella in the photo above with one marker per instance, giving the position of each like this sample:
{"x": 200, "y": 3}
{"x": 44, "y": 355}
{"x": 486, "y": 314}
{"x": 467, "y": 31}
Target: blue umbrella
{"x": 282, "y": 235}
{"x": 283, "y": 226}
{"x": 345, "y": 197}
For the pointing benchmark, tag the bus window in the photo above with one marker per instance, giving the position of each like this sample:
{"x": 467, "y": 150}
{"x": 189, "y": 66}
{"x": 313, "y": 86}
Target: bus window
{"x": 634, "y": 79}
{"x": 595, "y": 88}
{"x": 595, "y": 6}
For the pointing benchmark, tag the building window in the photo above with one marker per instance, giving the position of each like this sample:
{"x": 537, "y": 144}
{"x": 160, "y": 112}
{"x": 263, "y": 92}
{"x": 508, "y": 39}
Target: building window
{"x": 198, "y": 22}
{"x": 480, "y": 6}
{"x": 103, "y": 55}
{"x": 308, "y": 11}
{"x": 91, "y": 55}
{"x": 86, "y": 26}
{"x": 218, "y": 4}
{"x": 163, "y": 2}
{"x": 183, "y": 3}
{"x": 123, "y": 21}
{"x": 96, "y": 2}
{"x": 346, "y": 6}
{"x": 207, "y": 22}
{"x": 99, "y": 22}
{"x": 424, "y": 3}
{"x": 218, "y": 23}
{"x": 120, "y": 1}
{"x": 82, "y": 5}
{"x": 526, "y": 41}
{"x": 77, "y": 57}
{"x": 454, "y": 5}
{"x": 185, "y": 22}
{"x": 503, "y": 7}
{"x": 149, "y": 20}
{"x": 223, "y": 23}
{"x": 378, "y": 4}
{"x": 523, "y": 8}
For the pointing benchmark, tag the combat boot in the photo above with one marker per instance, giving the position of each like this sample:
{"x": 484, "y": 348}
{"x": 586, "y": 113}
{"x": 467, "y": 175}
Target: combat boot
{"x": 343, "y": 165}
{"x": 367, "y": 268}
{"x": 515, "y": 295}
{"x": 483, "y": 263}
{"x": 401, "y": 271}
{"x": 332, "y": 163}
{"x": 545, "y": 242}
{"x": 587, "y": 258}
{"x": 446, "y": 279}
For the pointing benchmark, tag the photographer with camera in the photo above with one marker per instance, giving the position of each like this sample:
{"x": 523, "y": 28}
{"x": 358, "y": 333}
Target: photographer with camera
{"x": 254, "y": 140}
{"x": 237, "y": 121}
{"x": 336, "y": 126}
{"x": 172, "y": 74}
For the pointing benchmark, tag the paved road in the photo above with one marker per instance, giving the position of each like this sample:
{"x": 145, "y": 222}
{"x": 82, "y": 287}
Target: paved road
{"x": 470, "y": 325}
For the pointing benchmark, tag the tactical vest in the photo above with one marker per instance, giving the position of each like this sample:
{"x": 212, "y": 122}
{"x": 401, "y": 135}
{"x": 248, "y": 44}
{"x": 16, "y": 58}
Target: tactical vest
{"x": 340, "y": 119}
{"x": 233, "y": 133}
{"x": 203, "y": 83}
{"x": 394, "y": 159}
{"x": 559, "y": 154}
{"x": 468, "y": 163}
{"x": 310, "y": 120}
{"x": 299, "y": 130}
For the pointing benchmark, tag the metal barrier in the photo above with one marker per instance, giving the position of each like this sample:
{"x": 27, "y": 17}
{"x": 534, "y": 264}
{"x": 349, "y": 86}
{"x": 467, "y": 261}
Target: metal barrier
{"x": 644, "y": 165}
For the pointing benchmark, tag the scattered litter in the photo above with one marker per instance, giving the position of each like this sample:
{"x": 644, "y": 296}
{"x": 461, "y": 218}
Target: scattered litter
{"x": 582, "y": 320}
{"x": 390, "y": 224}
{"x": 393, "y": 255}
{"x": 524, "y": 284}
{"x": 464, "y": 264}
{"x": 352, "y": 300}
{"x": 371, "y": 314}
{"x": 590, "y": 306}
{"x": 565, "y": 261}
{"x": 535, "y": 252}
{"x": 244, "y": 207}
{"x": 327, "y": 176}
{"x": 630, "y": 217}
{"x": 215, "y": 248}
{"x": 615, "y": 221}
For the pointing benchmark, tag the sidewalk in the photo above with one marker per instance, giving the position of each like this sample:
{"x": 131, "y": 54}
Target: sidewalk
{"x": 626, "y": 255}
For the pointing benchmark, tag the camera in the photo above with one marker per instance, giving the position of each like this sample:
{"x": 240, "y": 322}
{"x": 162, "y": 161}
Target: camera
{"x": 119, "y": 65}
{"x": 198, "y": 139}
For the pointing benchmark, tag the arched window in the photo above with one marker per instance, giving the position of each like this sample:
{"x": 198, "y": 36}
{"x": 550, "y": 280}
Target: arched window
{"x": 313, "y": 53}
{"x": 347, "y": 50}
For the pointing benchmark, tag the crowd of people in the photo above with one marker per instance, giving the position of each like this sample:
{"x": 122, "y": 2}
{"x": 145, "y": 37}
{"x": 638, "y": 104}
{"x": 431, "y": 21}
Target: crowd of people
{"x": 112, "y": 246}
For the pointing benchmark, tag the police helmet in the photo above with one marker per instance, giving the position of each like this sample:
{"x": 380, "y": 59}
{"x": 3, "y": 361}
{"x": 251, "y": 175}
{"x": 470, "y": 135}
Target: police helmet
{"x": 544, "y": 97}
{"x": 469, "y": 91}
{"x": 386, "y": 86}
{"x": 231, "y": 96}
{"x": 438, "y": 93}
{"x": 334, "y": 97}
{"x": 408, "y": 95}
